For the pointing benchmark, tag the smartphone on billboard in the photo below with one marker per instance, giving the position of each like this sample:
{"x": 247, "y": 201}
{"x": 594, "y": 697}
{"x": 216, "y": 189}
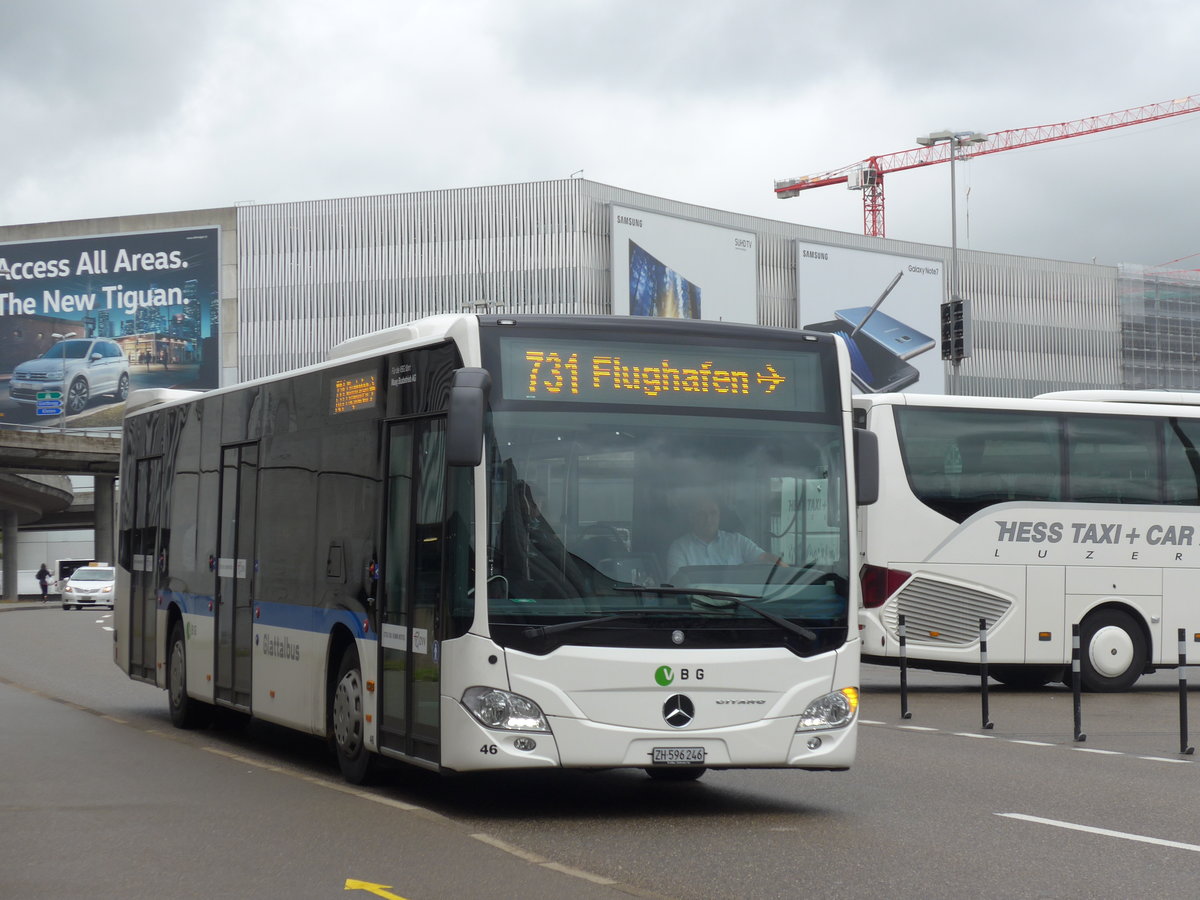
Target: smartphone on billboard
{"x": 873, "y": 369}
{"x": 892, "y": 334}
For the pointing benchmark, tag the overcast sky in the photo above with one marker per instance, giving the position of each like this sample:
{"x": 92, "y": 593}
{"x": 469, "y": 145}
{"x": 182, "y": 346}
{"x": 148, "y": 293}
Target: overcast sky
{"x": 113, "y": 107}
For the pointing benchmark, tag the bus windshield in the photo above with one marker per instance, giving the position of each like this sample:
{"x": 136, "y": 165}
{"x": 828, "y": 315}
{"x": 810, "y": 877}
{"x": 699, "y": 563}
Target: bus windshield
{"x": 643, "y": 528}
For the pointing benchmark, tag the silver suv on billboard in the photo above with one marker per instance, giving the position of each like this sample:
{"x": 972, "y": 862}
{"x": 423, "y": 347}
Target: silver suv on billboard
{"x": 79, "y": 369}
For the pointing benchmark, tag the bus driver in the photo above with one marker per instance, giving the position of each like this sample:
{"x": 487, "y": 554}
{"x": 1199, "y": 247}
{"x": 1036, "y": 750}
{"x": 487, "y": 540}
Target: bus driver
{"x": 707, "y": 545}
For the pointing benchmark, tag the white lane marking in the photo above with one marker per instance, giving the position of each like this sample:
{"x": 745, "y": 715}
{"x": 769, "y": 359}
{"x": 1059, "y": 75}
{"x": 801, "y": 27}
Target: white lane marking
{"x": 1104, "y": 832}
{"x": 995, "y": 737}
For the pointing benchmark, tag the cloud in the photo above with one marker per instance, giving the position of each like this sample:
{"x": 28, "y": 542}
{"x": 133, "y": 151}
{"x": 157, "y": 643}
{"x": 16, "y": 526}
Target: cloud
{"x": 139, "y": 106}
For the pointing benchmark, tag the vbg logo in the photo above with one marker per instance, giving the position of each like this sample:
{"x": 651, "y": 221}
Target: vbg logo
{"x": 664, "y": 675}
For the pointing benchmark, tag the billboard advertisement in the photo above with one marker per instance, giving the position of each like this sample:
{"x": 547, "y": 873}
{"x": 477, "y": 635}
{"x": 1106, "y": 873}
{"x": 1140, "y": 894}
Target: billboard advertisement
{"x": 886, "y": 308}
{"x": 675, "y": 268}
{"x": 85, "y": 320}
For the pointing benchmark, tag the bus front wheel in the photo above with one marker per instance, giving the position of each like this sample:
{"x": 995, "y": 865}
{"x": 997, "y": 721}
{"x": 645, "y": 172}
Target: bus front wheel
{"x": 1112, "y": 651}
{"x": 185, "y": 711}
{"x": 348, "y": 720}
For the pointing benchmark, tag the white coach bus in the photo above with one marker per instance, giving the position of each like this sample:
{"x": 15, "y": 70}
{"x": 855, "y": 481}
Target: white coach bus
{"x": 448, "y": 545}
{"x": 1077, "y": 508}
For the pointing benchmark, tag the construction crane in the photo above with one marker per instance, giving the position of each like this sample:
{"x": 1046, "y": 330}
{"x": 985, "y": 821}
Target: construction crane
{"x": 867, "y": 175}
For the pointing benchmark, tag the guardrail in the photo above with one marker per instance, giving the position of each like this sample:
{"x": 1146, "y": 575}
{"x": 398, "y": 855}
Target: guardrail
{"x": 106, "y": 431}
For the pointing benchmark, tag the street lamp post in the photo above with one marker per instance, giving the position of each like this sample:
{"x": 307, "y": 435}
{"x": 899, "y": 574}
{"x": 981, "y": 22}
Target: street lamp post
{"x": 62, "y": 413}
{"x": 956, "y": 140}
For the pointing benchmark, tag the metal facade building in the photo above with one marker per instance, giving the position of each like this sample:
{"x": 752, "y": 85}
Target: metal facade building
{"x": 297, "y": 278}
{"x": 314, "y": 273}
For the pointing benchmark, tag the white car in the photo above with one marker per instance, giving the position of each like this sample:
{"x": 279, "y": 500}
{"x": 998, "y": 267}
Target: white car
{"x": 89, "y": 586}
{"x": 79, "y": 369}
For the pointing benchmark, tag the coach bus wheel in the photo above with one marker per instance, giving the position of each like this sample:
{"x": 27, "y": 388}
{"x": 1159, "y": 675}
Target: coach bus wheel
{"x": 347, "y": 716}
{"x": 675, "y": 773}
{"x": 1112, "y": 651}
{"x": 185, "y": 712}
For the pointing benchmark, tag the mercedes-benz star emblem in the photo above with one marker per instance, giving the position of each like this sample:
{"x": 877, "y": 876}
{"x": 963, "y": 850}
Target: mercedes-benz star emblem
{"x": 679, "y": 711}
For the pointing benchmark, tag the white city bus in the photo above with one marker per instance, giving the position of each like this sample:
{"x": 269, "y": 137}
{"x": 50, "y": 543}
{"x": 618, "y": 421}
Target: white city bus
{"x": 1034, "y": 516}
{"x": 447, "y": 544}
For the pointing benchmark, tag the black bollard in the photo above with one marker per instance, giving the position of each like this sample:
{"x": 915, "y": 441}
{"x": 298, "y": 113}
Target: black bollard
{"x": 1076, "y": 687}
{"x": 983, "y": 673}
{"x": 1183, "y": 723}
{"x": 903, "y": 634}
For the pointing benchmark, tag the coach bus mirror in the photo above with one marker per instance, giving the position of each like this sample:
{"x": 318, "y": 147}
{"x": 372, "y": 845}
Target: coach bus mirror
{"x": 866, "y": 466}
{"x": 464, "y": 419}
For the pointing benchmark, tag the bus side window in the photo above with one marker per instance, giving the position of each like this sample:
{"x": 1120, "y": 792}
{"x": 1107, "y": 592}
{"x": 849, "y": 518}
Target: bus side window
{"x": 1112, "y": 459}
{"x": 1182, "y": 439}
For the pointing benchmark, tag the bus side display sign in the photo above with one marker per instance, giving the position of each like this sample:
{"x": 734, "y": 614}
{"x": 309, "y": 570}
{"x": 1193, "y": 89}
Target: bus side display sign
{"x": 659, "y": 375}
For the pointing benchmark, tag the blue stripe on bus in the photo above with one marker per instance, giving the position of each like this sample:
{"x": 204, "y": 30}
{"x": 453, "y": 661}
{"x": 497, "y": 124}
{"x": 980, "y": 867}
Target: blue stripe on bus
{"x": 309, "y": 618}
{"x": 277, "y": 615}
{"x": 189, "y": 604}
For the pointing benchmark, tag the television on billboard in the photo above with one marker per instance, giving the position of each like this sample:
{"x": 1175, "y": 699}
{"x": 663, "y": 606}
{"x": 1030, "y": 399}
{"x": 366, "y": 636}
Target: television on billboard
{"x": 676, "y": 268}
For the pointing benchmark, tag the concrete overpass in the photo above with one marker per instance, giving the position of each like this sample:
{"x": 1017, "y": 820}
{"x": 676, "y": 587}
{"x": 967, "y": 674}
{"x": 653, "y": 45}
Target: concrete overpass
{"x": 35, "y": 490}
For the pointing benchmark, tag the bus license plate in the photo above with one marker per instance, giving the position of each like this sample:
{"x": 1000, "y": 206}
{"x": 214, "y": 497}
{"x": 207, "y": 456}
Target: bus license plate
{"x": 677, "y": 756}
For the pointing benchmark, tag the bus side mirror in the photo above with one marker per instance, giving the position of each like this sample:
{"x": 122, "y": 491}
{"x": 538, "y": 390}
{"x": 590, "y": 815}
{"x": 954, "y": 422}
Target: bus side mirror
{"x": 464, "y": 418}
{"x": 866, "y": 466}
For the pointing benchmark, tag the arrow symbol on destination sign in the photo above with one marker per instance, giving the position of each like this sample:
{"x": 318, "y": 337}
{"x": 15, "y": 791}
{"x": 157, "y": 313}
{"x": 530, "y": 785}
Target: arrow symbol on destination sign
{"x": 772, "y": 378}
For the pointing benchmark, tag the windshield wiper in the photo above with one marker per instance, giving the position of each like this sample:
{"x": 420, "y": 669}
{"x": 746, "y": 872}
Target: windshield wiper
{"x": 536, "y": 631}
{"x": 739, "y": 599}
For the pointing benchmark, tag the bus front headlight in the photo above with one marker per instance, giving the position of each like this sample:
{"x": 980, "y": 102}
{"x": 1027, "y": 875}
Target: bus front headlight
{"x": 830, "y": 711}
{"x": 495, "y": 708}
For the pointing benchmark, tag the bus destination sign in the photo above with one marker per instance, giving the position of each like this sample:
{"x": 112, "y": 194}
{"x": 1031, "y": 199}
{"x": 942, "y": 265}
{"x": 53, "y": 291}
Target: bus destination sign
{"x": 659, "y": 374}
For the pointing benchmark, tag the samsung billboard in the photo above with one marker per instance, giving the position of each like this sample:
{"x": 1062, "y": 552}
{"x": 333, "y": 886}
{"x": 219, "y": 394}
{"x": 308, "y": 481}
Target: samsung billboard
{"x": 675, "y": 268}
{"x": 885, "y": 307}
{"x": 85, "y": 320}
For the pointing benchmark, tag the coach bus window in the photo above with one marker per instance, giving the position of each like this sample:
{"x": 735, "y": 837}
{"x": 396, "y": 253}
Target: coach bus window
{"x": 1182, "y": 438}
{"x": 1112, "y": 459}
{"x": 960, "y": 461}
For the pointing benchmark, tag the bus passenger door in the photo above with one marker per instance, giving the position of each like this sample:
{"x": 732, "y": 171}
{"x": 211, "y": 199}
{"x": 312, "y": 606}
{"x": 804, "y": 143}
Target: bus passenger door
{"x": 410, "y": 663}
{"x": 236, "y": 574}
{"x": 143, "y": 573}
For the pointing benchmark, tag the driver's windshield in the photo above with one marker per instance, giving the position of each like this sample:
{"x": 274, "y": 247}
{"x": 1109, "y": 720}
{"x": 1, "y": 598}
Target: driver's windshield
{"x": 93, "y": 574}
{"x": 629, "y": 518}
{"x": 68, "y": 350}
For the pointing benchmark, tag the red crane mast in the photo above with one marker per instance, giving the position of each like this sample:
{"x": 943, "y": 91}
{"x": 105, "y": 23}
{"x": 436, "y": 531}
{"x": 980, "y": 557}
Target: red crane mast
{"x": 867, "y": 175}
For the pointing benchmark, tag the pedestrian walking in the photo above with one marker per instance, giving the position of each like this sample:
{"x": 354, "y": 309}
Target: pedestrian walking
{"x": 43, "y": 577}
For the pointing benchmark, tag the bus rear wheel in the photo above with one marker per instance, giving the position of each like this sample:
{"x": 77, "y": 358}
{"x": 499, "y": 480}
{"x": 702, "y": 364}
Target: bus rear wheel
{"x": 1112, "y": 651}
{"x": 347, "y": 720}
